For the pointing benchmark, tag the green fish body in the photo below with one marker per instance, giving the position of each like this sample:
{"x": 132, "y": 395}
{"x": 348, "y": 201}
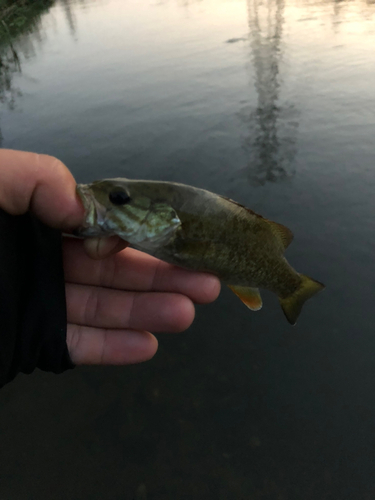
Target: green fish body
{"x": 201, "y": 231}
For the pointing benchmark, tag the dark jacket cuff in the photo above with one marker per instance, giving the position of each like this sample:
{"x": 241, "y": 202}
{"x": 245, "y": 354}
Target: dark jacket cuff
{"x": 32, "y": 298}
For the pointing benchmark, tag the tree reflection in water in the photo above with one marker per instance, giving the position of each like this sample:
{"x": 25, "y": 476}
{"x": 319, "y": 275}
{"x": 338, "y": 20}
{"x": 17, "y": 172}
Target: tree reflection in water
{"x": 9, "y": 65}
{"x": 271, "y": 143}
{"x": 11, "y": 36}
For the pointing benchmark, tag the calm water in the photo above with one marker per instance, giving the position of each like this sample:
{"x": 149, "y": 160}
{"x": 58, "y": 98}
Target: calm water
{"x": 273, "y": 104}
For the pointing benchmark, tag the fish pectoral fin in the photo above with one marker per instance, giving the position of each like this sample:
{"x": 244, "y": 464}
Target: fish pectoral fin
{"x": 249, "y": 296}
{"x": 283, "y": 232}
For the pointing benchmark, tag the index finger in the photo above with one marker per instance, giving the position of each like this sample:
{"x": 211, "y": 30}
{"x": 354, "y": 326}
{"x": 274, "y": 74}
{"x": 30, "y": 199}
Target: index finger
{"x": 134, "y": 270}
{"x": 40, "y": 183}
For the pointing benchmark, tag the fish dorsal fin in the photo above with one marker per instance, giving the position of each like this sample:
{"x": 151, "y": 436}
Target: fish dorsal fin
{"x": 284, "y": 233}
{"x": 249, "y": 296}
{"x": 240, "y": 205}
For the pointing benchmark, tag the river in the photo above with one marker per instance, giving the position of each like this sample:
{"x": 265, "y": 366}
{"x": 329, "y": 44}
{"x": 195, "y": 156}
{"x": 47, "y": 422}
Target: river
{"x": 270, "y": 103}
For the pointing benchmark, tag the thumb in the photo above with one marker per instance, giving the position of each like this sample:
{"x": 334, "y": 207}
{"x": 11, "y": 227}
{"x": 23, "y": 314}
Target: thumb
{"x": 41, "y": 183}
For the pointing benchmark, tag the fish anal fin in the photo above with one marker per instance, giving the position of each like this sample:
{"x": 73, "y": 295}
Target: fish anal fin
{"x": 283, "y": 232}
{"x": 249, "y": 296}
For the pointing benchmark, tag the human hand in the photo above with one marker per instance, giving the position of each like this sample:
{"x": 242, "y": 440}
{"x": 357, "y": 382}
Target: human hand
{"x": 111, "y": 303}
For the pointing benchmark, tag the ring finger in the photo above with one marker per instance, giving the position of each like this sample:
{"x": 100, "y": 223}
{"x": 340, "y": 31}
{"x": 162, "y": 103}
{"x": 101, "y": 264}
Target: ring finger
{"x": 107, "y": 308}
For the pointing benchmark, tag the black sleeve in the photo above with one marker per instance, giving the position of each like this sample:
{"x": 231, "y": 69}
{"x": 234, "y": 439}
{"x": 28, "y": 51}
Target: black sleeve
{"x": 32, "y": 298}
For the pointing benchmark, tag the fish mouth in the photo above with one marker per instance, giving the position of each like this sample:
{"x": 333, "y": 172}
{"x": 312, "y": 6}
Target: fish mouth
{"x": 95, "y": 214}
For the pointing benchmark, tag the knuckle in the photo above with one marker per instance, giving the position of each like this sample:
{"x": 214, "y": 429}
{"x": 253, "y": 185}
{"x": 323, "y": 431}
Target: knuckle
{"x": 73, "y": 341}
{"x": 91, "y": 310}
{"x": 156, "y": 276}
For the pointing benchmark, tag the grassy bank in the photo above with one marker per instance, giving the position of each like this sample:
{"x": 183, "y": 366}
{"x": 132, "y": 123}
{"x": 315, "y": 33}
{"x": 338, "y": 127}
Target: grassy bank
{"x": 18, "y": 15}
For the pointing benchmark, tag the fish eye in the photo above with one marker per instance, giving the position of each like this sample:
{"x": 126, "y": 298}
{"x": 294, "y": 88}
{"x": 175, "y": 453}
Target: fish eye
{"x": 119, "y": 197}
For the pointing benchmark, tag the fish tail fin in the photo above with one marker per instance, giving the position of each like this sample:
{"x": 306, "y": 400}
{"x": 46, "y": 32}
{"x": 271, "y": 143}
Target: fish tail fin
{"x": 292, "y": 304}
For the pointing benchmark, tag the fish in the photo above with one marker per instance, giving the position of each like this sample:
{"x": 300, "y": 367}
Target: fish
{"x": 201, "y": 231}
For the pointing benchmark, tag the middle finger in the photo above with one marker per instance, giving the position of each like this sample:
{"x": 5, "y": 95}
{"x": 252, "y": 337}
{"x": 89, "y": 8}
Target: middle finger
{"x": 134, "y": 270}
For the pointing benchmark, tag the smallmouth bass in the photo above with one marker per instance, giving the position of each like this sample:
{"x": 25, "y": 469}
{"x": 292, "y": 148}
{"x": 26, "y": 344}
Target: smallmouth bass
{"x": 201, "y": 231}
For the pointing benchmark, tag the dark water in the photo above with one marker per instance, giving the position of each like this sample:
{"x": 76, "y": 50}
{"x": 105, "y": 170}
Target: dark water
{"x": 272, "y": 104}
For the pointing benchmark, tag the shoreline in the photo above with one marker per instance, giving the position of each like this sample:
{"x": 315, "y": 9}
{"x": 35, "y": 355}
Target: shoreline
{"x": 16, "y": 16}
